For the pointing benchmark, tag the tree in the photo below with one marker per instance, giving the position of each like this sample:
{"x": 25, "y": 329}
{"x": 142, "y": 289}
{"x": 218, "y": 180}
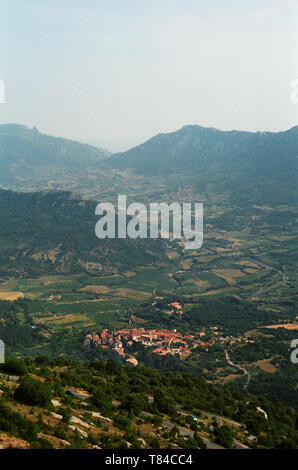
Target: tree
{"x": 33, "y": 392}
{"x": 135, "y": 402}
{"x": 164, "y": 403}
{"x": 224, "y": 436}
{"x": 112, "y": 367}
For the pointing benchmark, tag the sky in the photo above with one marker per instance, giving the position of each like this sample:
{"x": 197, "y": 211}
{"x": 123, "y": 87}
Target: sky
{"x": 114, "y": 73}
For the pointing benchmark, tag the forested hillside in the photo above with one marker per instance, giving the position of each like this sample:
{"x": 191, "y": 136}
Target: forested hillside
{"x": 67, "y": 404}
{"x": 54, "y": 232}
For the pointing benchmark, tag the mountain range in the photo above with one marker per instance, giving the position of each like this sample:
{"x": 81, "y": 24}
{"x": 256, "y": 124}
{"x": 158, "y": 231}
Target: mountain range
{"x": 193, "y": 148}
{"x": 197, "y": 148}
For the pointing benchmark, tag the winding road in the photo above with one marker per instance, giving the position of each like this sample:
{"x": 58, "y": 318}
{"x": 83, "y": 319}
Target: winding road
{"x": 240, "y": 368}
{"x": 269, "y": 286}
{"x": 184, "y": 431}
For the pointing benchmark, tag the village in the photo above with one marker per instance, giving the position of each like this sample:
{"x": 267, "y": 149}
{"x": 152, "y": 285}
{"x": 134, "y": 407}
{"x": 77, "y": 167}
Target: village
{"x": 160, "y": 342}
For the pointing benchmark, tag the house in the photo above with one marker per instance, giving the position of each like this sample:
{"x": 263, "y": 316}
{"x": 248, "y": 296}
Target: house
{"x": 132, "y": 360}
{"x": 176, "y": 305}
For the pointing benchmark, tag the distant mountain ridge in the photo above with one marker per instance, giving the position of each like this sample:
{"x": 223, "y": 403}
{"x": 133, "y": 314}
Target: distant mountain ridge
{"x": 194, "y": 158}
{"x": 25, "y": 152}
{"x": 198, "y": 148}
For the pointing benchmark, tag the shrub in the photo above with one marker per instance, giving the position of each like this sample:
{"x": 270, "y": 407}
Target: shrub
{"x": 16, "y": 423}
{"x": 41, "y": 444}
{"x": 14, "y": 366}
{"x": 122, "y": 422}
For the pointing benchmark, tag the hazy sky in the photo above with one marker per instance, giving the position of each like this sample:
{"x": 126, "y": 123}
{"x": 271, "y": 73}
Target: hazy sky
{"x": 116, "y": 72}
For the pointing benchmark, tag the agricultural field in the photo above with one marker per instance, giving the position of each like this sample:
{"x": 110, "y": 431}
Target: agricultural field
{"x": 244, "y": 277}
